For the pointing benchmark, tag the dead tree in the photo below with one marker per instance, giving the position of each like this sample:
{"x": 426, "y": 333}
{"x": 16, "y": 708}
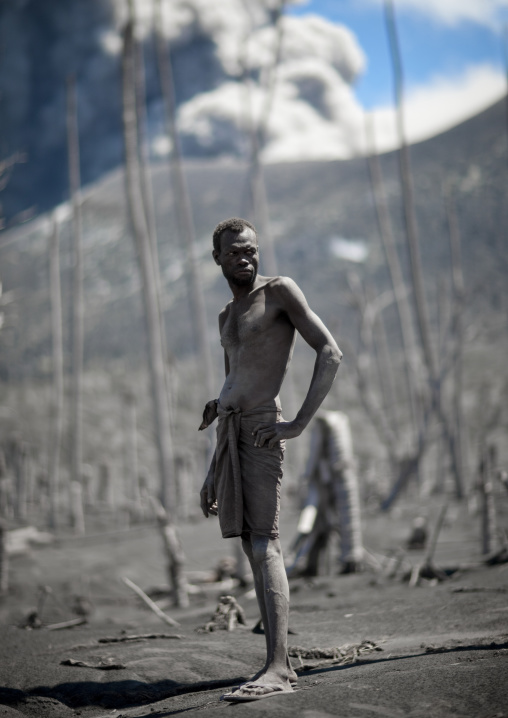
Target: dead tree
{"x": 4, "y": 560}
{"x": 77, "y": 512}
{"x": 257, "y": 135}
{"x": 174, "y": 554}
{"x": 183, "y": 203}
{"x": 58, "y": 388}
{"x": 420, "y": 303}
{"x": 457, "y": 333}
{"x": 3, "y": 485}
{"x": 78, "y": 304}
{"x": 156, "y": 349}
{"x": 404, "y": 457}
{"x": 104, "y": 486}
{"x": 19, "y": 458}
{"x": 505, "y": 58}
{"x": 144, "y": 174}
{"x": 488, "y": 508}
{"x": 131, "y": 453}
{"x": 412, "y": 368}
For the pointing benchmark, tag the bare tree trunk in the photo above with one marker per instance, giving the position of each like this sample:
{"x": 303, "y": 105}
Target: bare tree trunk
{"x": 156, "y": 353}
{"x": 406, "y": 175}
{"x": 76, "y": 496}
{"x": 131, "y": 454}
{"x": 422, "y": 315}
{"x": 58, "y": 389}
{"x": 4, "y": 560}
{"x": 458, "y": 337}
{"x": 146, "y": 181}
{"x": 146, "y": 184}
{"x": 78, "y": 305}
{"x": 505, "y": 57}
{"x": 19, "y": 456}
{"x": 156, "y": 349}
{"x": 412, "y": 369}
{"x": 4, "y": 501}
{"x": 183, "y": 206}
{"x": 488, "y": 508}
{"x": 174, "y": 554}
{"x": 104, "y": 487}
{"x": 384, "y": 369}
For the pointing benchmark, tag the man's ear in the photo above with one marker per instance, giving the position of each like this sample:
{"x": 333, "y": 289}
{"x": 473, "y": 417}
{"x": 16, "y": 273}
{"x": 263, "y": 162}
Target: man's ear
{"x": 215, "y": 255}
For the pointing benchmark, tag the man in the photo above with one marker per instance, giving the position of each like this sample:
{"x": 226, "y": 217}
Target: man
{"x": 258, "y": 329}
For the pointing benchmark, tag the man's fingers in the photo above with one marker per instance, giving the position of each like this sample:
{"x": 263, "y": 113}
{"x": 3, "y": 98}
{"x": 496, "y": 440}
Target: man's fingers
{"x": 264, "y": 435}
{"x": 260, "y": 427}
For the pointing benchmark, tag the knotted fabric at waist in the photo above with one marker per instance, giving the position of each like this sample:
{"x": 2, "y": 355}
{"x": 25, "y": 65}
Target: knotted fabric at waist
{"x": 228, "y": 472}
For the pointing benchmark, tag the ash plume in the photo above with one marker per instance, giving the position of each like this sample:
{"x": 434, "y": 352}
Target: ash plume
{"x": 214, "y": 46}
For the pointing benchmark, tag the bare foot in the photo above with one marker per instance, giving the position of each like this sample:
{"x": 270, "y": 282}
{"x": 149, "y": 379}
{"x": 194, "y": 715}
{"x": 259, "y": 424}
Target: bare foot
{"x": 254, "y": 691}
{"x": 292, "y": 675}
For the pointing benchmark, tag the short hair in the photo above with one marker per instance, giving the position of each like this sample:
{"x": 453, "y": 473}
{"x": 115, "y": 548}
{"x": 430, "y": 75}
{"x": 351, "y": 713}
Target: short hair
{"x": 235, "y": 225}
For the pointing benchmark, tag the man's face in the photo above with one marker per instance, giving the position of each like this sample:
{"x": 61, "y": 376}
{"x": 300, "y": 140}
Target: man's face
{"x": 238, "y": 257}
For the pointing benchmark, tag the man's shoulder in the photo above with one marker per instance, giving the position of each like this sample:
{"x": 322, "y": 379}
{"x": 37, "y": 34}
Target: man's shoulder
{"x": 283, "y": 288}
{"x": 224, "y": 312}
{"x": 281, "y": 284}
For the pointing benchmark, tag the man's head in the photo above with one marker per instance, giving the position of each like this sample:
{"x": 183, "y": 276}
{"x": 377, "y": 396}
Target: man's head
{"x": 234, "y": 225}
{"x": 235, "y": 250}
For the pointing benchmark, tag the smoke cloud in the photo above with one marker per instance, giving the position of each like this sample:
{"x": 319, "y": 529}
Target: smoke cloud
{"x": 214, "y": 47}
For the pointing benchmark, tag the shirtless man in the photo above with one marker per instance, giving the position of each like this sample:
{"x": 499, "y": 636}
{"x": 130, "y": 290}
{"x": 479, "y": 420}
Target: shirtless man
{"x": 258, "y": 330}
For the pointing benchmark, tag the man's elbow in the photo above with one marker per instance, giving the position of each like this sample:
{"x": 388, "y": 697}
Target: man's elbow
{"x": 333, "y": 355}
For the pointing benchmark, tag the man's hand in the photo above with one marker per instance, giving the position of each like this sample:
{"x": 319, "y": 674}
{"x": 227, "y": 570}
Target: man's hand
{"x": 272, "y": 433}
{"x": 208, "y": 500}
{"x": 209, "y": 414}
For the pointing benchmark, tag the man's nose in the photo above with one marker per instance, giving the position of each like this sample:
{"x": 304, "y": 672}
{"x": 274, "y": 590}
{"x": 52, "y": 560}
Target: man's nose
{"x": 243, "y": 260}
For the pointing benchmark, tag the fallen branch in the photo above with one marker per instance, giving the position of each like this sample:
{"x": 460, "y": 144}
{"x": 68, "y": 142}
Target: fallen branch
{"x": 140, "y": 637}
{"x": 151, "y": 605}
{"x": 66, "y": 624}
{"x": 337, "y": 655}
{"x": 427, "y": 569}
{"x": 105, "y": 665}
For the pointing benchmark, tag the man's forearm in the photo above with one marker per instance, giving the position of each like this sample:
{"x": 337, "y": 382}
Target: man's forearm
{"x": 211, "y": 470}
{"x": 325, "y": 369}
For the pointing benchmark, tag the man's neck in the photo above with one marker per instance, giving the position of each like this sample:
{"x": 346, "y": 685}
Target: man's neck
{"x": 243, "y": 290}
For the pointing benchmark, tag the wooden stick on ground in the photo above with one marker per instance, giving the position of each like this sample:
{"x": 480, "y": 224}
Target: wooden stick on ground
{"x": 66, "y": 624}
{"x": 151, "y": 605}
{"x": 435, "y": 534}
{"x": 427, "y": 561}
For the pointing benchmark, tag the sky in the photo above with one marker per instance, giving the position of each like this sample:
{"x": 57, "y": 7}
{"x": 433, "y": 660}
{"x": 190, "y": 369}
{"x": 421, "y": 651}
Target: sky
{"x": 333, "y": 71}
{"x": 452, "y": 53}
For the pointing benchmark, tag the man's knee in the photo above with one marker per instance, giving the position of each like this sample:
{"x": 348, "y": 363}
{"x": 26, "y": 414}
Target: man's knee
{"x": 264, "y": 548}
{"x": 247, "y": 546}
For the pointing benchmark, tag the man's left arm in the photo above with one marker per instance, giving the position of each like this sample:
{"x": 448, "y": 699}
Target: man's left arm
{"x": 328, "y": 356}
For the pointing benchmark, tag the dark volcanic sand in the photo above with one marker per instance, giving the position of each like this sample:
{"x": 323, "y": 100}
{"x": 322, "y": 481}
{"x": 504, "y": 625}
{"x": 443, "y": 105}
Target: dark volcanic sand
{"x": 445, "y": 647}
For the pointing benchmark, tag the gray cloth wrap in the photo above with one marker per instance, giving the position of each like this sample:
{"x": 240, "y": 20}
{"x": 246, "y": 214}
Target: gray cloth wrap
{"x": 247, "y": 478}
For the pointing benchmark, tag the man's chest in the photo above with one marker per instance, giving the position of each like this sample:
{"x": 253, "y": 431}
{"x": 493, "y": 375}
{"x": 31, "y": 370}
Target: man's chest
{"x": 250, "y": 322}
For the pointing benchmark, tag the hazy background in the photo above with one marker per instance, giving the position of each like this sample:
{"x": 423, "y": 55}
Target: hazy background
{"x": 333, "y": 71}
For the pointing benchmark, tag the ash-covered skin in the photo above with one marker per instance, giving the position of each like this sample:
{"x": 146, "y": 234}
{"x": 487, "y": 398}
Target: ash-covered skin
{"x": 258, "y": 330}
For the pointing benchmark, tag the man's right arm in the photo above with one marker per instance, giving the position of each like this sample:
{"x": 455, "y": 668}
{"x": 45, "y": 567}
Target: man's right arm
{"x": 207, "y": 494}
